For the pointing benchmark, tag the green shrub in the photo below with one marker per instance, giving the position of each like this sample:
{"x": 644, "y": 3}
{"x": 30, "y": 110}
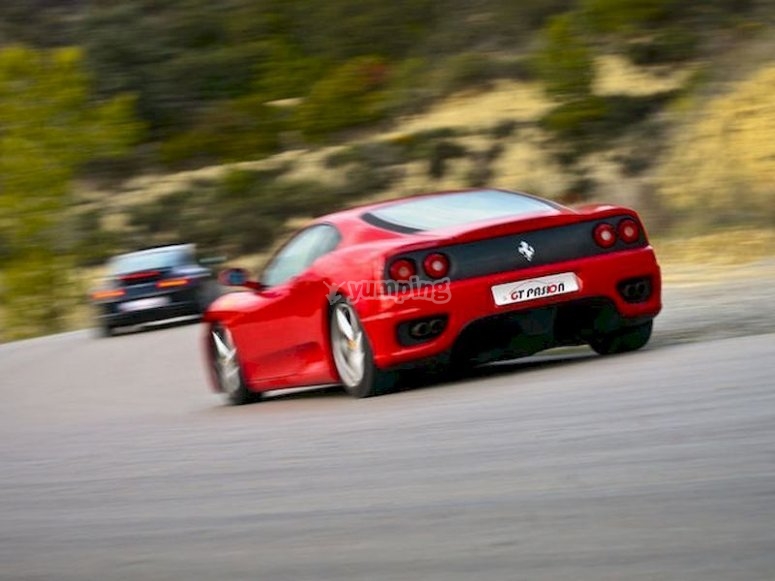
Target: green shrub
{"x": 38, "y": 293}
{"x": 408, "y": 91}
{"x": 161, "y": 215}
{"x": 624, "y": 16}
{"x": 239, "y": 130}
{"x": 667, "y": 46}
{"x": 94, "y": 243}
{"x": 479, "y": 175}
{"x": 627, "y": 110}
{"x": 519, "y": 69}
{"x": 415, "y": 83}
{"x": 364, "y": 180}
{"x": 581, "y": 189}
{"x": 286, "y": 71}
{"x": 504, "y": 128}
{"x": 351, "y": 95}
{"x": 494, "y": 152}
{"x": 528, "y": 16}
{"x": 341, "y": 157}
{"x": 242, "y": 184}
{"x": 592, "y": 121}
{"x": 440, "y": 153}
{"x": 372, "y": 153}
{"x": 565, "y": 62}
{"x": 466, "y": 70}
{"x": 419, "y": 145}
{"x": 578, "y": 119}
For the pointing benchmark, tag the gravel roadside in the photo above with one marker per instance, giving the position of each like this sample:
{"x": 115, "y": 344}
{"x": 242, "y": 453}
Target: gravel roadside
{"x": 716, "y": 302}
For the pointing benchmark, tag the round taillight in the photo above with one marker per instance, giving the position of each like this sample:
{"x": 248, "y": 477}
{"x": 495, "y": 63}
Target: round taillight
{"x": 436, "y": 265}
{"x": 605, "y": 235}
{"x": 402, "y": 270}
{"x": 629, "y": 231}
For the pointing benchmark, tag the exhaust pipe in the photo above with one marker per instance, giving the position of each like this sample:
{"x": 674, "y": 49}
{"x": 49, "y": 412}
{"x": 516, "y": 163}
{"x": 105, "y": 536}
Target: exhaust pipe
{"x": 636, "y": 290}
{"x": 420, "y": 330}
{"x": 436, "y": 326}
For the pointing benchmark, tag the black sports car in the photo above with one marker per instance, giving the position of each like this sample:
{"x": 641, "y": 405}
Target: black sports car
{"x": 153, "y": 285}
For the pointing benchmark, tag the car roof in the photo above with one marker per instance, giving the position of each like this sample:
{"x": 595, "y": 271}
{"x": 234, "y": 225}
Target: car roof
{"x": 364, "y": 222}
{"x": 160, "y": 249}
{"x": 460, "y": 209}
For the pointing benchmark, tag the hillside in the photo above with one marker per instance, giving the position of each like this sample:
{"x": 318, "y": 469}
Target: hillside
{"x": 130, "y": 123}
{"x": 493, "y": 134}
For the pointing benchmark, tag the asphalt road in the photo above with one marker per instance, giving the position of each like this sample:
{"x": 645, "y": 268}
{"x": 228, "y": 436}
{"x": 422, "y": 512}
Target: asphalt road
{"x": 116, "y": 463}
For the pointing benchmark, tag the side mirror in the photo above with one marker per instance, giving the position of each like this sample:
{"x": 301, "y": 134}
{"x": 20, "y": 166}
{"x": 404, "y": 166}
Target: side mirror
{"x": 238, "y": 277}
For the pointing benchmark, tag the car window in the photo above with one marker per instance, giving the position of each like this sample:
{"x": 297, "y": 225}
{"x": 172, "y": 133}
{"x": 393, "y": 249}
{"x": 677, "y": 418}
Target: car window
{"x": 148, "y": 260}
{"x": 299, "y": 253}
{"x": 454, "y": 209}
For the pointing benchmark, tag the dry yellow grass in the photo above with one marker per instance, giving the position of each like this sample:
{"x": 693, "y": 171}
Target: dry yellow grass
{"x": 722, "y": 161}
{"x": 480, "y": 110}
{"x": 720, "y": 247}
{"x": 709, "y": 257}
{"x": 615, "y": 75}
{"x": 526, "y": 162}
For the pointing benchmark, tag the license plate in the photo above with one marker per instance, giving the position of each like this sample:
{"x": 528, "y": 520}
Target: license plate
{"x": 535, "y": 288}
{"x": 142, "y": 304}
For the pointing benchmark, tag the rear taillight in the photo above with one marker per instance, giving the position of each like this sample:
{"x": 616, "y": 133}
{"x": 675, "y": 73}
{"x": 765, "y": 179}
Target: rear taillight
{"x": 172, "y": 283}
{"x": 144, "y": 275}
{"x": 105, "y": 295}
{"x": 628, "y": 231}
{"x": 604, "y": 235}
{"x": 402, "y": 270}
{"x": 436, "y": 265}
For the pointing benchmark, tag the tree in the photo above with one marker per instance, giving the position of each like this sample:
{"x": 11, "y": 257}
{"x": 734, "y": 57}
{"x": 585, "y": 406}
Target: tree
{"x": 627, "y": 16}
{"x": 178, "y": 57}
{"x": 565, "y": 63}
{"x": 352, "y": 95}
{"x": 49, "y": 127}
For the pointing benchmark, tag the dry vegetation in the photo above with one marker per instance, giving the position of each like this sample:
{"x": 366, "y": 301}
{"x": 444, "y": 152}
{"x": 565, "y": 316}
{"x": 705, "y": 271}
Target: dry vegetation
{"x": 719, "y": 160}
{"x": 722, "y": 161}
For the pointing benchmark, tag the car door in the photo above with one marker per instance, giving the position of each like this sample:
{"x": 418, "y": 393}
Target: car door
{"x": 288, "y": 330}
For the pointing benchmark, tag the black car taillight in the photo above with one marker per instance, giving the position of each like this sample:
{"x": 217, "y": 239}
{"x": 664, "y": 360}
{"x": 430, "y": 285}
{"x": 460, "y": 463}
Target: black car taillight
{"x": 107, "y": 294}
{"x": 138, "y": 277}
{"x": 172, "y": 283}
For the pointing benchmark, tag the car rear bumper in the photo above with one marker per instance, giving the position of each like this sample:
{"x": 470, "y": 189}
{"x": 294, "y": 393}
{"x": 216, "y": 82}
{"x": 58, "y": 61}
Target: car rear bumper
{"x": 615, "y": 290}
{"x": 181, "y": 305}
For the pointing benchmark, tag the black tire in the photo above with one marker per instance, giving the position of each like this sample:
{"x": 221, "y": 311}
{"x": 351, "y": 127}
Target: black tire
{"x": 371, "y": 381}
{"x": 104, "y": 331}
{"x": 623, "y": 341}
{"x": 228, "y": 370}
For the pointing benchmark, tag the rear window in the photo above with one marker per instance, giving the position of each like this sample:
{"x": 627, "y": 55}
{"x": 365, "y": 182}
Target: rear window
{"x": 454, "y": 209}
{"x": 152, "y": 260}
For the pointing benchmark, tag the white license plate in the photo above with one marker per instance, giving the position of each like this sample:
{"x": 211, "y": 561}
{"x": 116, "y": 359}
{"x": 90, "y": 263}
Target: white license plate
{"x": 142, "y": 304}
{"x": 535, "y": 288}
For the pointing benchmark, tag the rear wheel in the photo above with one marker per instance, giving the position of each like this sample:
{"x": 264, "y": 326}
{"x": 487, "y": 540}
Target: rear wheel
{"x": 227, "y": 369}
{"x": 103, "y": 330}
{"x": 622, "y": 341}
{"x": 353, "y": 356}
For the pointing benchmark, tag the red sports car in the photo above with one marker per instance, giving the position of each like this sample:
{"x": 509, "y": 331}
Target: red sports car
{"x": 450, "y": 279}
